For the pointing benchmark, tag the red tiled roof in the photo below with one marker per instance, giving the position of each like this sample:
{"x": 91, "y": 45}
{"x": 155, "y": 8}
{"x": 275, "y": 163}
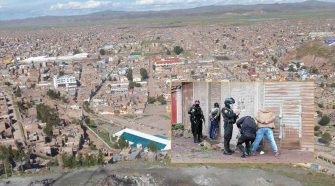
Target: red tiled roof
{"x": 168, "y": 60}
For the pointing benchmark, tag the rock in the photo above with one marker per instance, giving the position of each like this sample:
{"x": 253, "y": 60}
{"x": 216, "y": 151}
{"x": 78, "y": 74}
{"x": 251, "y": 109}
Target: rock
{"x": 262, "y": 182}
{"x": 42, "y": 182}
{"x": 216, "y": 147}
{"x": 187, "y": 134}
{"x": 152, "y": 156}
{"x": 206, "y": 145}
{"x": 177, "y": 133}
{"x": 205, "y": 180}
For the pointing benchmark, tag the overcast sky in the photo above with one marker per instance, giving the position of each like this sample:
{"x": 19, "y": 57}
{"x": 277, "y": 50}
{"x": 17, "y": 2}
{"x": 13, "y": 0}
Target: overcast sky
{"x": 18, "y": 9}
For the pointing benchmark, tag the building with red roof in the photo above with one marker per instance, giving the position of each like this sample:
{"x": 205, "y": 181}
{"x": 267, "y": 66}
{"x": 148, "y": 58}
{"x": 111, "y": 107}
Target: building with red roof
{"x": 168, "y": 61}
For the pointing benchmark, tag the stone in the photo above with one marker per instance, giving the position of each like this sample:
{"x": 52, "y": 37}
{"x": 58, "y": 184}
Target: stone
{"x": 206, "y": 144}
{"x": 177, "y": 133}
{"x": 187, "y": 134}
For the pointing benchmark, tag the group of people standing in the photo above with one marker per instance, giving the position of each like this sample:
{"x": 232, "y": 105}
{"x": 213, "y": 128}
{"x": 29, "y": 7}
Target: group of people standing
{"x": 252, "y": 130}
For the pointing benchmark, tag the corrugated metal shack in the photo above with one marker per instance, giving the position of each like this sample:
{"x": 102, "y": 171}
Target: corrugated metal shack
{"x": 293, "y": 103}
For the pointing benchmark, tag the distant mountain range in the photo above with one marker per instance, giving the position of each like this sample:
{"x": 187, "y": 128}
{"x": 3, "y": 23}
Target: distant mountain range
{"x": 309, "y": 5}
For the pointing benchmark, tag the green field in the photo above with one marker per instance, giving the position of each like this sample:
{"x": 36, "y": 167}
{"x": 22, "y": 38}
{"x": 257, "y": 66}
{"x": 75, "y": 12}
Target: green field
{"x": 168, "y": 21}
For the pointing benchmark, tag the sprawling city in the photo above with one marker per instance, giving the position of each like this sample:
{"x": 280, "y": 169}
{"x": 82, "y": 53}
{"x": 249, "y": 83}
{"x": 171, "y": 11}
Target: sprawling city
{"x": 81, "y": 94}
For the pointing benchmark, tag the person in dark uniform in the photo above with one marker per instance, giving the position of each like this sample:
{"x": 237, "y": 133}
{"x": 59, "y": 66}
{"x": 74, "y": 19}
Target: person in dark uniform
{"x": 229, "y": 118}
{"x": 197, "y": 118}
{"x": 248, "y": 128}
{"x": 214, "y": 118}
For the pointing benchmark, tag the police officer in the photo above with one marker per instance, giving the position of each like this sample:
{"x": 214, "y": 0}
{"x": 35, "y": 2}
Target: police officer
{"x": 248, "y": 128}
{"x": 196, "y": 117}
{"x": 229, "y": 118}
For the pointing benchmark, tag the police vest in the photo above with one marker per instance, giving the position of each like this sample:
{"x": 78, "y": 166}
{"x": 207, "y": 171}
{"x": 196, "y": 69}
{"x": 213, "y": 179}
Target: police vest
{"x": 226, "y": 112}
{"x": 196, "y": 113}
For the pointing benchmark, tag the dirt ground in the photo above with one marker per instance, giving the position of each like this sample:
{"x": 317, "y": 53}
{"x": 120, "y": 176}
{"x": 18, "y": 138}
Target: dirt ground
{"x": 185, "y": 151}
{"x": 146, "y": 173}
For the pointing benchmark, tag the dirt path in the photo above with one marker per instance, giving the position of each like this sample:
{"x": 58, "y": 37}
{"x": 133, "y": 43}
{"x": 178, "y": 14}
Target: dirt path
{"x": 185, "y": 151}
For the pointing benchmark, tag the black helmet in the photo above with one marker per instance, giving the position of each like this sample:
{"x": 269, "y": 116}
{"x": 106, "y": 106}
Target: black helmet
{"x": 229, "y": 101}
{"x": 216, "y": 105}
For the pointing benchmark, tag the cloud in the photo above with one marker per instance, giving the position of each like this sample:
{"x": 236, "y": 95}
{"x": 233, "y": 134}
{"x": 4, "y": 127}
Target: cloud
{"x": 76, "y": 5}
{"x": 209, "y": 2}
{"x": 166, "y": 2}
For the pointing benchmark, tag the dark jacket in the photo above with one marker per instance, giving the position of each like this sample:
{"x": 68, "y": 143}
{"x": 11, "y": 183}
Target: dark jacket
{"x": 229, "y": 116}
{"x": 248, "y": 126}
{"x": 196, "y": 114}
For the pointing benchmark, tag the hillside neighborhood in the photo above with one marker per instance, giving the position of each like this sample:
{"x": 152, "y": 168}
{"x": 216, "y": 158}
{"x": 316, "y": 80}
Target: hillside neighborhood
{"x": 96, "y": 95}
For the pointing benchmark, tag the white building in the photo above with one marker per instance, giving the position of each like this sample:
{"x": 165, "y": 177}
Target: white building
{"x": 118, "y": 88}
{"x": 139, "y": 139}
{"x": 65, "y": 81}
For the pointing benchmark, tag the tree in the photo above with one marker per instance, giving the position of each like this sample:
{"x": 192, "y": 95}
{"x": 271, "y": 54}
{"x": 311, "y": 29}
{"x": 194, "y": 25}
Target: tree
{"x": 245, "y": 66}
{"x": 5, "y": 157}
{"x": 80, "y": 159}
{"x": 69, "y": 161}
{"x": 18, "y": 92}
{"x": 168, "y": 52}
{"x": 224, "y": 46}
{"x": 322, "y": 85}
{"x": 151, "y": 100}
{"x": 53, "y": 94}
{"x": 161, "y": 99}
{"x": 291, "y": 68}
{"x": 102, "y": 52}
{"x": 131, "y": 85}
{"x": 316, "y": 128}
{"x": 298, "y": 65}
{"x": 76, "y": 51}
{"x": 178, "y": 50}
{"x": 130, "y": 75}
{"x": 320, "y": 105}
{"x": 154, "y": 67}
{"x": 144, "y": 74}
{"x": 122, "y": 143}
{"x": 100, "y": 158}
{"x": 48, "y": 130}
{"x": 314, "y": 70}
{"x": 326, "y": 138}
{"x": 152, "y": 147}
{"x": 86, "y": 106}
{"x": 49, "y": 116}
{"x": 274, "y": 59}
{"x": 324, "y": 120}
{"x": 226, "y": 58}
{"x": 61, "y": 73}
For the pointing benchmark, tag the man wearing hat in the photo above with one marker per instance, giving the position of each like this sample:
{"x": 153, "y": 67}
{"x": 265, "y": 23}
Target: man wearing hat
{"x": 196, "y": 117}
